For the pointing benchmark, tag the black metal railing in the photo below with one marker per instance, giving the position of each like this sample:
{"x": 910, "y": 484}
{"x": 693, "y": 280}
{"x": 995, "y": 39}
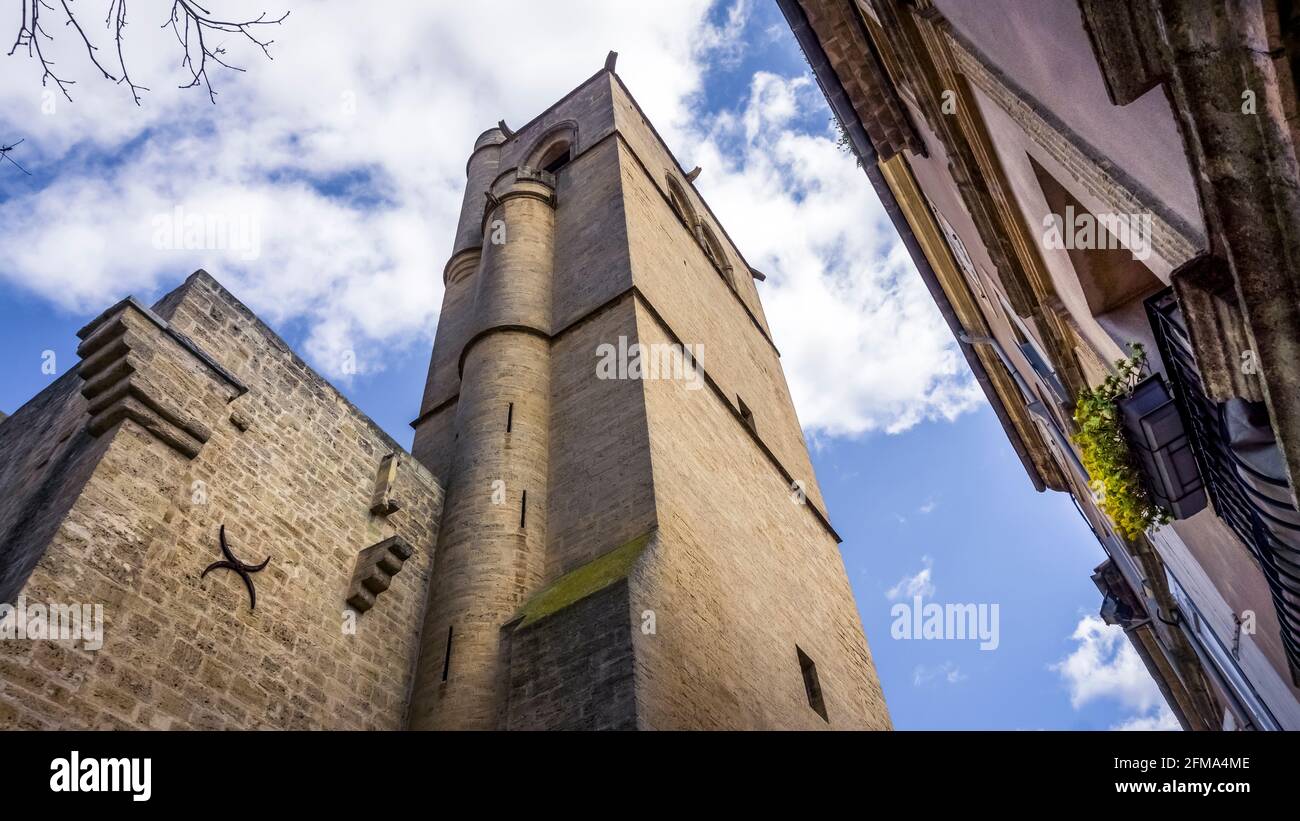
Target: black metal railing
{"x": 1257, "y": 518}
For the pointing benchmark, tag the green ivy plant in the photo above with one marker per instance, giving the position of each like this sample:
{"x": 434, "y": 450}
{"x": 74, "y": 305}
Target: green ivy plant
{"x": 1117, "y": 484}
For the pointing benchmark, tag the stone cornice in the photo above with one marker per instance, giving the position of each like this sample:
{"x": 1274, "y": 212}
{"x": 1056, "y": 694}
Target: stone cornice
{"x": 136, "y": 367}
{"x": 1171, "y": 237}
{"x": 184, "y": 341}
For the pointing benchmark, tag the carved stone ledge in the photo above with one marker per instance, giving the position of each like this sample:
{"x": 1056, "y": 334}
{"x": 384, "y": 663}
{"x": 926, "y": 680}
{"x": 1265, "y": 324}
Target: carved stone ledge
{"x": 240, "y": 421}
{"x": 376, "y": 567}
{"x": 136, "y": 367}
{"x": 536, "y": 175}
{"x": 382, "y": 502}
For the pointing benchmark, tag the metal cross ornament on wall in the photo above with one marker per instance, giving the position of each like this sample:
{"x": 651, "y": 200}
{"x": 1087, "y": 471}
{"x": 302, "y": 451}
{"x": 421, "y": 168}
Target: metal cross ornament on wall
{"x": 232, "y": 563}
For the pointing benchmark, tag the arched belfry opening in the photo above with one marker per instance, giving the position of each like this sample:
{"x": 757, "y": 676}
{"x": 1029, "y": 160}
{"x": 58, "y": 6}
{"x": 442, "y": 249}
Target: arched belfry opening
{"x": 557, "y": 157}
{"x": 554, "y": 149}
{"x": 681, "y": 203}
{"x": 713, "y": 248}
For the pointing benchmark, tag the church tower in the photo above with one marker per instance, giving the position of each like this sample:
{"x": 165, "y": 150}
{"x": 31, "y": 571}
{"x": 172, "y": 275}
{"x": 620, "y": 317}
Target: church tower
{"x": 632, "y": 534}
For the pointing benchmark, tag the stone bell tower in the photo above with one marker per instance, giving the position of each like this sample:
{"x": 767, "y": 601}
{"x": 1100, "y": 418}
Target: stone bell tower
{"x": 635, "y": 546}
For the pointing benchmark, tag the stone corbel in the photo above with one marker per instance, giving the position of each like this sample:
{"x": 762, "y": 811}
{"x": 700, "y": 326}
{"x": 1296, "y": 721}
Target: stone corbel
{"x": 1225, "y": 355}
{"x": 1126, "y": 43}
{"x": 382, "y": 502}
{"x": 136, "y": 367}
{"x": 376, "y": 567}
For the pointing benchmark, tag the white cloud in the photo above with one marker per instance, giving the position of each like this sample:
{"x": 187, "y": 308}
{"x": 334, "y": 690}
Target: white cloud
{"x": 928, "y": 507}
{"x": 391, "y": 99}
{"x": 948, "y": 672}
{"x": 1163, "y": 719}
{"x": 862, "y": 343}
{"x": 918, "y": 584}
{"x": 348, "y": 152}
{"x": 1104, "y": 666}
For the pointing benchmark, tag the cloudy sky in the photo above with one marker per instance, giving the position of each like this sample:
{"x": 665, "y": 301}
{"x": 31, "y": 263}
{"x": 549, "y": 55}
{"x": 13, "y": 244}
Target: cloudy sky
{"x": 342, "y": 159}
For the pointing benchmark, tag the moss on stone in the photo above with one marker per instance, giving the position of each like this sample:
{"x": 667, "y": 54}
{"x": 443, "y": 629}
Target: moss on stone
{"x": 578, "y": 584}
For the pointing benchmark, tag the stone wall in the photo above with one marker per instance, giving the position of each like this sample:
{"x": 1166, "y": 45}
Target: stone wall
{"x": 574, "y": 669}
{"x": 677, "y": 279}
{"x": 741, "y": 573}
{"x": 46, "y": 457}
{"x": 283, "y": 462}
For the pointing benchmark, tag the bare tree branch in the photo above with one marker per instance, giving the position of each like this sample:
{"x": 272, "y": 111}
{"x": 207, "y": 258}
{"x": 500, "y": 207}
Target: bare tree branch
{"x": 196, "y": 54}
{"x": 117, "y": 16}
{"x": 30, "y": 34}
{"x": 90, "y": 49}
{"x": 4, "y": 154}
{"x": 195, "y": 27}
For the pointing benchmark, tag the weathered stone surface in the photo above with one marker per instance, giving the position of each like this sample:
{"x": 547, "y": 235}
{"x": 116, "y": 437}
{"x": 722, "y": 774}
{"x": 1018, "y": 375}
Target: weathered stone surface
{"x": 127, "y": 520}
{"x": 561, "y": 624}
{"x": 878, "y": 106}
{"x": 614, "y": 553}
{"x": 574, "y": 670}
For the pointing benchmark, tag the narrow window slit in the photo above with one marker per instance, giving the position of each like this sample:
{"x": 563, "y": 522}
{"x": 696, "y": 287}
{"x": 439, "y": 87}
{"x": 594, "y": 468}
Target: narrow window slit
{"x": 523, "y": 510}
{"x": 746, "y": 415}
{"x": 446, "y": 660}
{"x": 510, "y": 417}
{"x": 812, "y": 687}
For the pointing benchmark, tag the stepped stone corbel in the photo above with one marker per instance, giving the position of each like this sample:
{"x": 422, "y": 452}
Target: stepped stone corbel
{"x": 136, "y": 367}
{"x": 376, "y": 567}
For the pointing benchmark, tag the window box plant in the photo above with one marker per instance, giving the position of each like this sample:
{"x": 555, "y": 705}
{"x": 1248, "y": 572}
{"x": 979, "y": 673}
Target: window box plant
{"x": 1116, "y": 477}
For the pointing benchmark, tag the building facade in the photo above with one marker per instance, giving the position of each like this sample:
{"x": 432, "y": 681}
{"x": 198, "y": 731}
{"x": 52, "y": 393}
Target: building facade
{"x": 686, "y": 497}
{"x": 1073, "y": 177}
{"x": 631, "y": 534}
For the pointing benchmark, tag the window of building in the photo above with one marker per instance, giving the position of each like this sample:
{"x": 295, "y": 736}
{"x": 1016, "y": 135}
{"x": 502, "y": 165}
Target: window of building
{"x": 1034, "y": 355}
{"x": 746, "y": 415}
{"x": 554, "y": 149}
{"x": 557, "y": 157}
{"x": 681, "y": 203}
{"x": 811, "y": 685}
{"x": 959, "y": 252}
{"x": 713, "y": 248}
{"x": 446, "y": 659}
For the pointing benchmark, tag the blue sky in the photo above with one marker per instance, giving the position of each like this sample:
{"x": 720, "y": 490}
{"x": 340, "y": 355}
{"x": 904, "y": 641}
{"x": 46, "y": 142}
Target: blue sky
{"x": 352, "y": 174}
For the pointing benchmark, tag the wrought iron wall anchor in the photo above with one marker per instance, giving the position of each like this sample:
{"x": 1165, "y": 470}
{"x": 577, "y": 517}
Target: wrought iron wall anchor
{"x": 231, "y": 563}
